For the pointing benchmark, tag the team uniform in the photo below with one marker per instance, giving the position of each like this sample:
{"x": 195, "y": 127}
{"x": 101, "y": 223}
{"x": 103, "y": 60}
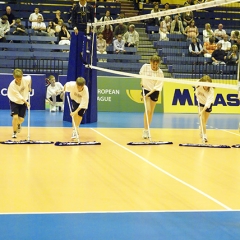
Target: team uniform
{"x": 17, "y": 94}
{"x": 148, "y": 84}
{"x": 205, "y": 98}
{"x": 79, "y": 99}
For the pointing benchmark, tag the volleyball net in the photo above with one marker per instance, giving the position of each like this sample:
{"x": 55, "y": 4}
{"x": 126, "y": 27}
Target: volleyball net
{"x": 177, "y": 64}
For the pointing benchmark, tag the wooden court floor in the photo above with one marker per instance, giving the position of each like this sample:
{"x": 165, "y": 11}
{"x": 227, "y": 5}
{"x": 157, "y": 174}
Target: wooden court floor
{"x": 117, "y": 177}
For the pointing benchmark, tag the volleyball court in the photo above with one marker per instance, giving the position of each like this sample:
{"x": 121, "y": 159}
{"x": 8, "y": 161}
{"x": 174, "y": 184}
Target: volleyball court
{"x": 182, "y": 70}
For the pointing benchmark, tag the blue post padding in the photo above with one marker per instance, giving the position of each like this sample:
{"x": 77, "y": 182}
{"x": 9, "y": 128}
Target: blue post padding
{"x": 79, "y": 58}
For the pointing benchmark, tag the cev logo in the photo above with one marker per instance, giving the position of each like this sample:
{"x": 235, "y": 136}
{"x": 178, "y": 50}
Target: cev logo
{"x": 136, "y": 96}
{"x": 4, "y": 92}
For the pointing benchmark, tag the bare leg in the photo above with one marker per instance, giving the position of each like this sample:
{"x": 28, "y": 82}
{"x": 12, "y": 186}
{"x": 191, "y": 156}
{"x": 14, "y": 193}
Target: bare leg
{"x": 150, "y": 110}
{"x": 16, "y": 120}
{"x": 205, "y": 117}
{"x": 77, "y": 120}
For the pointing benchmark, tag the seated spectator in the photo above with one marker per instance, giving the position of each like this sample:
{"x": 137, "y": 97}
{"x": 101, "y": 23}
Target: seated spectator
{"x": 105, "y": 18}
{"x": 97, "y": 29}
{"x": 39, "y": 27}
{"x": 101, "y": 46}
{"x": 234, "y": 36}
{"x": 108, "y": 35}
{"x": 121, "y": 16}
{"x": 20, "y": 29}
{"x": 64, "y": 36}
{"x": 131, "y": 37}
{"x": 120, "y": 29}
{"x": 226, "y": 45}
{"x": 2, "y": 36}
{"x": 233, "y": 55}
{"x": 176, "y": 26}
{"x": 154, "y": 21}
{"x": 187, "y": 17}
{"x": 10, "y": 15}
{"x": 209, "y": 47}
{"x": 54, "y": 93}
{"x": 195, "y": 48}
{"x": 58, "y": 26}
{"x": 51, "y": 29}
{"x": 4, "y": 24}
{"x": 191, "y": 31}
{"x": 34, "y": 16}
{"x": 164, "y": 29}
{"x": 219, "y": 32}
{"x": 219, "y": 55}
{"x": 188, "y": 3}
{"x": 57, "y": 17}
{"x": 207, "y": 32}
{"x": 118, "y": 45}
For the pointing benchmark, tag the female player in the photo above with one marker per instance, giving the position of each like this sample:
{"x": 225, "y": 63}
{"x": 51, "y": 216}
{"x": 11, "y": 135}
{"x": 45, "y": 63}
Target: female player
{"x": 18, "y": 91}
{"x": 151, "y": 89}
{"x": 80, "y": 97}
{"x": 205, "y": 97}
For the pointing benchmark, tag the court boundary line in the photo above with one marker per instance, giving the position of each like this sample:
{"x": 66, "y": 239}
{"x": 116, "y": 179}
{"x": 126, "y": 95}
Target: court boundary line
{"x": 119, "y": 212}
{"x": 165, "y": 172}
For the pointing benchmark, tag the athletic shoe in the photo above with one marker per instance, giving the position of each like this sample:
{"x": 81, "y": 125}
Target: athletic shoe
{"x": 205, "y": 138}
{"x": 19, "y": 128}
{"x": 145, "y": 134}
{"x": 14, "y": 135}
{"x": 53, "y": 109}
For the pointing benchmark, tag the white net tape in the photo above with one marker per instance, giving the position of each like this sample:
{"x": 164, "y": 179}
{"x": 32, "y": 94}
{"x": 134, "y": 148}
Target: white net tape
{"x": 193, "y": 82}
{"x": 168, "y": 12}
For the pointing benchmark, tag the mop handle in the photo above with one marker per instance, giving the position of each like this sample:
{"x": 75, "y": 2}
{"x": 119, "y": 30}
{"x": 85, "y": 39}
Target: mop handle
{"x": 74, "y": 125}
{"x": 28, "y": 137}
{"x": 145, "y": 106}
{"x": 200, "y": 119}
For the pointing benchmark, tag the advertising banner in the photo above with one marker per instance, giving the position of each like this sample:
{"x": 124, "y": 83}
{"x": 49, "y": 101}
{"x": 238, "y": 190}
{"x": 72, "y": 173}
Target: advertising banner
{"x": 180, "y": 98}
{"x": 119, "y": 94}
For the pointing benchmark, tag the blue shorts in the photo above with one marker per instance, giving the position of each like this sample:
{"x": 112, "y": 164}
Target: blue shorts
{"x": 208, "y": 109}
{"x": 18, "y": 109}
{"x": 153, "y": 96}
{"x": 75, "y": 105}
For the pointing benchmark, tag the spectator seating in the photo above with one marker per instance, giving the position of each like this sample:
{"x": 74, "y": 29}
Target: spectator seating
{"x": 131, "y": 50}
{"x": 170, "y": 44}
{"x": 125, "y": 57}
{"x": 121, "y": 66}
{"x": 199, "y": 75}
{"x": 191, "y": 68}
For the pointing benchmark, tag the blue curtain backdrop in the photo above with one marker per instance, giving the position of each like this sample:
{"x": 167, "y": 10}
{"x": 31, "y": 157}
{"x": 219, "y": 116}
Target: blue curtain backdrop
{"x": 79, "y": 57}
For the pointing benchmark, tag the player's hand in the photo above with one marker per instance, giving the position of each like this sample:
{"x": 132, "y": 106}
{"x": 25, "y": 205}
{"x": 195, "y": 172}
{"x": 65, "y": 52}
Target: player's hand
{"x": 28, "y": 105}
{"x": 76, "y": 31}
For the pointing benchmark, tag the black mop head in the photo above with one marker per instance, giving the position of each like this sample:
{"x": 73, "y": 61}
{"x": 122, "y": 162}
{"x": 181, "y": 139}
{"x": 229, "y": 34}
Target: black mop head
{"x": 11, "y": 142}
{"x": 236, "y": 146}
{"x": 62, "y": 144}
{"x": 203, "y": 145}
{"x": 148, "y": 143}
